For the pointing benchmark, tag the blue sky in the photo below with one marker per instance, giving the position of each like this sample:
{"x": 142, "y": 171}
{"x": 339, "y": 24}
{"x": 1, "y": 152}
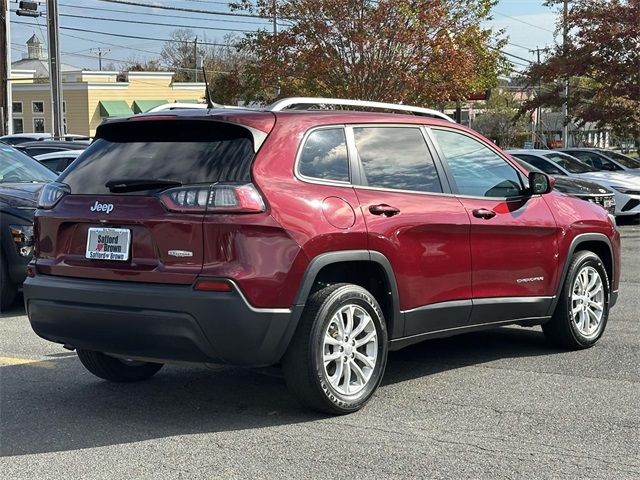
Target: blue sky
{"x": 527, "y": 23}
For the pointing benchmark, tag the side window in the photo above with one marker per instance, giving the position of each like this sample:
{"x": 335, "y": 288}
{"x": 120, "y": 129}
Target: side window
{"x": 324, "y": 155}
{"x": 55, "y": 164}
{"x": 396, "y": 158}
{"x": 541, "y": 164}
{"x": 595, "y": 160}
{"x": 477, "y": 170}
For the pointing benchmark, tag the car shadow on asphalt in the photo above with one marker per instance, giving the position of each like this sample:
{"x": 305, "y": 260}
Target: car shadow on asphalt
{"x": 15, "y": 310}
{"x": 55, "y": 405}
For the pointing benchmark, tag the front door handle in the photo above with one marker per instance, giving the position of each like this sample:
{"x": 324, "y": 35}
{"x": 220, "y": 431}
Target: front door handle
{"x": 484, "y": 213}
{"x": 384, "y": 209}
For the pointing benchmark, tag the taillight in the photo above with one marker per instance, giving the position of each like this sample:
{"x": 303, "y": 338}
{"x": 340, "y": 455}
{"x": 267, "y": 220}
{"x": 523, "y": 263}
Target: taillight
{"x": 51, "y": 194}
{"x": 219, "y": 198}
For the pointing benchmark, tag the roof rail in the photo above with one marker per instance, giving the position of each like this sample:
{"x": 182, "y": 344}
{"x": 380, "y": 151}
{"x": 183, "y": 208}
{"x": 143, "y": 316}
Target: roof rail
{"x": 299, "y": 103}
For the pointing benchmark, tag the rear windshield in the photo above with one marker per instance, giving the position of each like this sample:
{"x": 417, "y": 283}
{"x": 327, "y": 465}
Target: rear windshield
{"x": 185, "y": 151}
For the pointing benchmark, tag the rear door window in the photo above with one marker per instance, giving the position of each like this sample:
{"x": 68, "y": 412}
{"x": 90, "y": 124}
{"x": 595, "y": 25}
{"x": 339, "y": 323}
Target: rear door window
{"x": 396, "y": 158}
{"x": 324, "y": 155}
{"x": 185, "y": 151}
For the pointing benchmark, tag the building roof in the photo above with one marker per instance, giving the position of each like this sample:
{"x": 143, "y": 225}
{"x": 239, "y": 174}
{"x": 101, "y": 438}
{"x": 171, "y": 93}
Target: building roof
{"x": 34, "y": 40}
{"x": 41, "y": 67}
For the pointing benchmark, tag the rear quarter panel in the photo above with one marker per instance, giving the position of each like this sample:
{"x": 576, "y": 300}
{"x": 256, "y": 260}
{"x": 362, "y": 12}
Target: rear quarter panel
{"x": 299, "y": 206}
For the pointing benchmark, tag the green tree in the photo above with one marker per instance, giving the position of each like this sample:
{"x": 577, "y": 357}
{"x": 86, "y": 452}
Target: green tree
{"x": 499, "y": 121}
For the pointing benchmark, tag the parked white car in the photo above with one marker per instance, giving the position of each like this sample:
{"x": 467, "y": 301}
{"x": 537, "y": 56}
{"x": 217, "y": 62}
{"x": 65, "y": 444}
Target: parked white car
{"x": 58, "y": 161}
{"x": 175, "y": 106}
{"x": 626, "y": 186}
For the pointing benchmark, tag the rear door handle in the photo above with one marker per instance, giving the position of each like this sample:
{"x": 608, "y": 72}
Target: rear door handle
{"x": 384, "y": 209}
{"x": 484, "y": 213}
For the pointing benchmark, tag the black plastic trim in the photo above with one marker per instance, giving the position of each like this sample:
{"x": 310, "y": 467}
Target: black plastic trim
{"x": 329, "y": 258}
{"x": 491, "y": 310}
{"x": 167, "y": 322}
{"x": 579, "y": 239}
{"x": 437, "y": 316}
{"x": 453, "y": 315}
{"x": 400, "y": 343}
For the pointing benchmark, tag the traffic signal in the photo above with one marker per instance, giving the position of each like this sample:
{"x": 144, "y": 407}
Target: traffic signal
{"x": 28, "y": 9}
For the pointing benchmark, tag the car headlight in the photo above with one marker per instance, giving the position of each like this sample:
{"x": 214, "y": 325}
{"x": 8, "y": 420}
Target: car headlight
{"x": 626, "y": 191}
{"x": 22, "y": 236}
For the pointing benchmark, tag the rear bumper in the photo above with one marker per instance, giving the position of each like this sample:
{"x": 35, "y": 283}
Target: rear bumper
{"x": 162, "y": 322}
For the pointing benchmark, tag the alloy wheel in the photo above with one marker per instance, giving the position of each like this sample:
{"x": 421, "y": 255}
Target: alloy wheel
{"x": 588, "y": 302}
{"x": 350, "y": 349}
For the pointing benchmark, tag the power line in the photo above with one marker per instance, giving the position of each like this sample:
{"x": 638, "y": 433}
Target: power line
{"x": 122, "y": 35}
{"x": 152, "y": 23}
{"x": 526, "y": 23}
{"x": 183, "y": 9}
{"x": 165, "y": 15}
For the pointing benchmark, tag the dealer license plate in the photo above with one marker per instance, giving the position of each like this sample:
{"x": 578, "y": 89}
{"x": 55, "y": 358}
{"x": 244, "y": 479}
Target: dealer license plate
{"x": 609, "y": 202}
{"x": 108, "y": 244}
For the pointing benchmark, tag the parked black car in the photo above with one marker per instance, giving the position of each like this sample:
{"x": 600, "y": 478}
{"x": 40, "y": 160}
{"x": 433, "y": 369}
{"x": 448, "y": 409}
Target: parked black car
{"x": 40, "y": 148}
{"x": 21, "y": 178}
{"x": 589, "y": 191}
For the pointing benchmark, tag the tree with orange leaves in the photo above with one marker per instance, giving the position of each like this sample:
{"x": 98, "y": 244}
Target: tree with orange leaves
{"x": 424, "y": 52}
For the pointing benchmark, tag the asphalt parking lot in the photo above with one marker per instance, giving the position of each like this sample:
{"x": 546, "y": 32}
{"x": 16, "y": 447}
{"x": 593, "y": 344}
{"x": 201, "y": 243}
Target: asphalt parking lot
{"x": 496, "y": 404}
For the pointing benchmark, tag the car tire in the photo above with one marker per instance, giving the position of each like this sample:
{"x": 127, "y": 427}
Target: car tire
{"x": 337, "y": 356}
{"x": 115, "y": 369}
{"x": 8, "y": 290}
{"x": 582, "y": 311}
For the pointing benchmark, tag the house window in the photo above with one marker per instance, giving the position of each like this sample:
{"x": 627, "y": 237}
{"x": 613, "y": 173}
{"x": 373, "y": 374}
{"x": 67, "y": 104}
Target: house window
{"x": 38, "y": 125}
{"x": 64, "y": 107}
{"x": 18, "y": 125}
{"x": 16, "y": 107}
{"x": 37, "y": 107}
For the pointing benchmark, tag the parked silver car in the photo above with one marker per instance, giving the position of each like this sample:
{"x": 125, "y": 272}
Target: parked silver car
{"x": 625, "y": 185}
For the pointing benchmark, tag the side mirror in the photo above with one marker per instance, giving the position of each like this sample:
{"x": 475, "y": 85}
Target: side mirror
{"x": 540, "y": 183}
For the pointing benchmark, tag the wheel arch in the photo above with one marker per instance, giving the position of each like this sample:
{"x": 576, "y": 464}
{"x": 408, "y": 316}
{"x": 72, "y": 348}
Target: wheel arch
{"x": 597, "y": 243}
{"x": 368, "y": 269}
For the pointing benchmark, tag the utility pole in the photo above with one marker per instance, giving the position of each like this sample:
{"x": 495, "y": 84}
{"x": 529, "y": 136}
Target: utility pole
{"x": 537, "y": 134}
{"x": 5, "y": 68}
{"x": 54, "y": 67}
{"x": 274, "y": 6}
{"x": 565, "y": 105}
{"x": 195, "y": 57}
{"x": 100, "y": 53}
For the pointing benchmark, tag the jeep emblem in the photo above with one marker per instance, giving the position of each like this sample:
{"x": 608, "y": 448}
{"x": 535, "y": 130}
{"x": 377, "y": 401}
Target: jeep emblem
{"x": 102, "y": 207}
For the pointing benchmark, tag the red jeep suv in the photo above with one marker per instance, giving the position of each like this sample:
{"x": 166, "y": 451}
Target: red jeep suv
{"x": 314, "y": 239}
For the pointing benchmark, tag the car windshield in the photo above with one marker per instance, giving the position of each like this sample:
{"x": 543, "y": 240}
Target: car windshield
{"x": 621, "y": 159}
{"x": 16, "y": 167}
{"x": 569, "y": 163}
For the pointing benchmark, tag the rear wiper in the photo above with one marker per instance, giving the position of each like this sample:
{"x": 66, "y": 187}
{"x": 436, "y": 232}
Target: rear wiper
{"x": 122, "y": 185}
